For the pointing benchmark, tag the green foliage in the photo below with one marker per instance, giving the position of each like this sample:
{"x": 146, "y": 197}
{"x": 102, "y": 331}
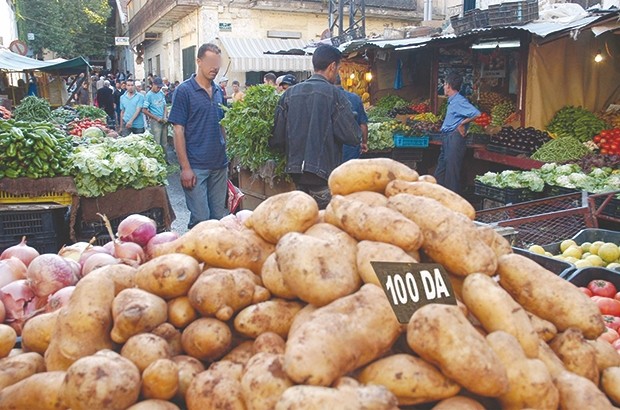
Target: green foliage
{"x": 249, "y": 124}
{"x": 71, "y": 28}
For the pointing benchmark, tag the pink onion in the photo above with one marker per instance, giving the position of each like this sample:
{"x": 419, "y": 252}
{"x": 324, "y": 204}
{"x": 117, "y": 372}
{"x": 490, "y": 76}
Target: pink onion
{"x": 15, "y": 297}
{"x": 11, "y": 269}
{"x": 109, "y": 247}
{"x": 48, "y": 273}
{"x": 74, "y": 251}
{"x": 2, "y": 312}
{"x": 59, "y": 299}
{"x": 160, "y": 238}
{"x": 93, "y": 250}
{"x": 129, "y": 251}
{"x": 96, "y": 261}
{"x": 21, "y": 251}
{"x": 137, "y": 228}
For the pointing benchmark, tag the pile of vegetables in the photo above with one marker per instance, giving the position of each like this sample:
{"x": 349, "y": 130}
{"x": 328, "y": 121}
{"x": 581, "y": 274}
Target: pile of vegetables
{"x": 390, "y": 102}
{"x": 561, "y": 149}
{"x": 513, "y": 179}
{"x": 527, "y": 140}
{"x": 597, "y": 180}
{"x": 64, "y": 115}
{"x": 585, "y": 255}
{"x": 5, "y": 113}
{"x": 90, "y": 111}
{"x": 576, "y": 122}
{"x": 483, "y": 120}
{"x": 380, "y": 136}
{"x": 488, "y": 100}
{"x": 611, "y": 117}
{"x": 425, "y": 117}
{"x": 608, "y": 141}
{"x": 33, "y": 150}
{"x": 377, "y": 114}
{"x": 78, "y": 127}
{"x": 104, "y": 165}
{"x": 591, "y": 161}
{"x": 33, "y": 109}
{"x": 420, "y": 108}
{"x": 501, "y": 112}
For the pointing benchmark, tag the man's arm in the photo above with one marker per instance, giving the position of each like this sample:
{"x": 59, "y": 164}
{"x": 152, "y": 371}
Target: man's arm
{"x": 135, "y": 115}
{"x": 122, "y": 116}
{"x": 471, "y": 113}
{"x": 364, "y": 144}
{"x": 188, "y": 178}
{"x": 278, "y": 138}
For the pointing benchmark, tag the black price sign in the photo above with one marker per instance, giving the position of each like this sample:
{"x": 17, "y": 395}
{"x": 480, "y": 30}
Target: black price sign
{"x": 409, "y": 286}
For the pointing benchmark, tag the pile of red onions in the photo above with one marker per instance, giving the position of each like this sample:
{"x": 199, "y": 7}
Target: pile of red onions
{"x": 20, "y": 251}
{"x": 49, "y": 273}
{"x": 137, "y": 228}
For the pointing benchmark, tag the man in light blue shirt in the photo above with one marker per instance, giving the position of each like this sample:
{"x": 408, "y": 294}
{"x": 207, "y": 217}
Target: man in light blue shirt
{"x": 131, "y": 110}
{"x": 454, "y": 129}
{"x": 155, "y": 109}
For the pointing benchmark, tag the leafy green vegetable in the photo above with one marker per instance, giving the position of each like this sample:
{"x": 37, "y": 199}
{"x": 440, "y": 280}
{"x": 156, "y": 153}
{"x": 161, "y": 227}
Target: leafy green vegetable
{"x": 89, "y": 111}
{"x": 378, "y": 114}
{"x": 513, "y": 179}
{"x": 33, "y": 109}
{"x": 380, "y": 136}
{"x": 390, "y": 102}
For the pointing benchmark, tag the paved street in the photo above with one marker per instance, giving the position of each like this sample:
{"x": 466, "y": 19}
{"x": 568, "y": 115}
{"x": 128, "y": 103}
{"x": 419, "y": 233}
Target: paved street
{"x": 177, "y": 199}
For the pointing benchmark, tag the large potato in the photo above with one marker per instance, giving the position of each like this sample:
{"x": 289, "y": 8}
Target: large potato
{"x": 494, "y": 240}
{"x": 410, "y": 379}
{"x": 222, "y": 292}
{"x": 438, "y": 334}
{"x": 610, "y": 382}
{"x": 122, "y": 275}
{"x": 530, "y": 384}
{"x": 606, "y": 355}
{"x": 497, "y": 310}
{"x": 264, "y": 381}
{"x": 275, "y": 315}
{"x": 188, "y": 367}
{"x": 160, "y": 380}
{"x": 181, "y": 312}
{"x": 549, "y": 296}
{"x": 369, "y": 198}
{"x": 368, "y": 175}
{"x": 40, "y": 391}
{"x": 16, "y": 368}
{"x": 144, "y": 349}
{"x": 168, "y": 276}
{"x": 280, "y": 214}
{"x": 579, "y": 393}
{"x": 449, "y": 238}
{"x": 341, "y": 337}
{"x": 549, "y": 358}
{"x": 269, "y": 342}
{"x": 545, "y": 329}
{"x": 37, "y": 332}
{"x": 301, "y": 317}
{"x": 273, "y": 280}
{"x": 458, "y": 403}
{"x": 368, "y": 251}
{"x": 379, "y": 224}
{"x": 315, "y": 270}
{"x": 442, "y": 195}
{"x": 206, "y": 339}
{"x": 103, "y": 381}
{"x": 576, "y": 353}
{"x": 136, "y": 311}
{"x": 214, "y": 389}
{"x": 8, "y": 337}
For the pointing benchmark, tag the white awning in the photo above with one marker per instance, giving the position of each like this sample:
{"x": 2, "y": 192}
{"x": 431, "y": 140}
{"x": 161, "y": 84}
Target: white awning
{"x": 248, "y": 54}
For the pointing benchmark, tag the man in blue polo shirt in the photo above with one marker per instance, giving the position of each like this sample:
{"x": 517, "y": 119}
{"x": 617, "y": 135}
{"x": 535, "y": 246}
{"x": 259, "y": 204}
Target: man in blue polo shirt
{"x": 199, "y": 139}
{"x": 131, "y": 110}
{"x": 155, "y": 108}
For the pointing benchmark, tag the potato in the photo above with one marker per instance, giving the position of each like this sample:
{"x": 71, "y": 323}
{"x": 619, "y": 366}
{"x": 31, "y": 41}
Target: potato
{"x": 549, "y": 358}
{"x": 368, "y": 251}
{"x": 341, "y": 337}
{"x": 579, "y": 393}
{"x": 315, "y": 270}
{"x": 264, "y": 381}
{"x": 269, "y": 342}
{"x": 207, "y": 339}
{"x": 577, "y": 355}
{"x": 368, "y": 175}
{"x": 181, "y": 312}
{"x": 144, "y": 349}
{"x": 410, "y": 379}
{"x": 449, "y": 238}
{"x": 273, "y": 280}
{"x": 171, "y": 335}
{"x": 215, "y": 390}
{"x": 122, "y": 275}
{"x": 154, "y": 405}
{"x": 160, "y": 380}
{"x": 369, "y": 198}
{"x": 241, "y": 353}
{"x": 545, "y": 329}
{"x": 530, "y": 384}
{"x": 549, "y": 296}
{"x": 301, "y": 317}
{"x": 280, "y": 214}
{"x": 188, "y": 368}
{"x": 83, "y": 325}
{"x": 39, "y": 391}
{"x": 37, "y": 332}
{"x": 343, "y": 398}
{"x": 168, "y": 276}
{"x": 275, "y": 315}
{"x": 187, "y": 243}
{"x": 458, "y": 403}
{"x": 8, "y": 337}
{"x": 16, "y": 368}
{"x": 222, "y": 292}
{"x": 136, "y": 311}
{"x": 379, "y": 224}
{"x": 332, "y": 233}
{"x": 497, "y": 310}
{"x": 438, "y": 333}
{"x": 610, "y": 382}
{"x": 606, "y": 355}
{"x": 427, "y": 178}
{"x": 494, "y": 240}
{"x": 440, "y": 194}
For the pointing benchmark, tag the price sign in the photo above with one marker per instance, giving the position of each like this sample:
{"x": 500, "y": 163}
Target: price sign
{"x": 409, "y": 286}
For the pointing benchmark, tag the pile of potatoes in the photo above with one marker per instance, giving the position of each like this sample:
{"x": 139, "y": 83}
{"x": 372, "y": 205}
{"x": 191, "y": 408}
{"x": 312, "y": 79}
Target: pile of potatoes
{"x": 282, "y": 310}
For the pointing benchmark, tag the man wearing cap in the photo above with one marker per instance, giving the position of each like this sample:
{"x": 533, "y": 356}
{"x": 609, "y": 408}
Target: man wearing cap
{"x": 288, "y": 81}
{"x": 155, "y": 109}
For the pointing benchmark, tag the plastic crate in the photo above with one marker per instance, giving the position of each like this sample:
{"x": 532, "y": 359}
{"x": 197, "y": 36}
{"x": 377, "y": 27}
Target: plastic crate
{"x": 401, "y": 141}
{"x": 44, "y": 243}
{"x": 606, "y": 205}
{"x": 504, "y": 195}
{"x": 59, "y": 198}
{"x": 477, "y": 139}
{"x": 513, "y": 13}
{"x": 554, "y": 190}
{"x": 31, "y": 220}
{"x": 98, "y": 228}
{"x": 581, "y": 277}
{"x": 559, "y": 267}
{"x": 507, "y": 151}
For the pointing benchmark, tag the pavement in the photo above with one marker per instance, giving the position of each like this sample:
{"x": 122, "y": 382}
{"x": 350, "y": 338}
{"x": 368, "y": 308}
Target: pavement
{"x": 175, "y": 193}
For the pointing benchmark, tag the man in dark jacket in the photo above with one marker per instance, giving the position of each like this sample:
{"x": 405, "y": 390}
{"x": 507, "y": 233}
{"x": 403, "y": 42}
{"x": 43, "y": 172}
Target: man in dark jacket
{"x": 105, "y": 99}
{"x": 312, "y": 122}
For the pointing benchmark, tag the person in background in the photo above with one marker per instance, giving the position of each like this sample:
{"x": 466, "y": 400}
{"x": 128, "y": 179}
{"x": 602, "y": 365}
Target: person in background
{"x": 312, "y": 122}
{"x": 132, "y": 120}
{"x": 353, "y": 151}
{"x": 246, "y": 86}
{"x": 289, "y": 80}
{"x": 139, "y": 89}
{"x": 32, "y": 85}
{"x": 199, "y": 139}
{"x": 237, "y": 94}
{"x": 223, "y": 84}
{"x": 105, "y": 99}
{"x": 118, "y": 92}
{"x": 155, "y": 109}
{"x": 279, "y": 84}
{"x": 270, "y": 78}
{"x": 454, "y": 131}
{"x": 100, "y": 82}
{"x": 82, "y": 95}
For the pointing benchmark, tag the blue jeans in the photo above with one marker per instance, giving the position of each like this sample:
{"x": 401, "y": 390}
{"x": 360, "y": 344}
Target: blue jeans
{"x": 207, "y": 200}
{"x": 350, "y": 152}
{"x": 448, "y": 171}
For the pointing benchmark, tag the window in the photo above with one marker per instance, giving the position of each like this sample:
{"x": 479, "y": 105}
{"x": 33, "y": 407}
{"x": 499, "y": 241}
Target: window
{"x": 189, "y": 62}
{"x": 157, "y": 71}
{"x": 149, "y": 66}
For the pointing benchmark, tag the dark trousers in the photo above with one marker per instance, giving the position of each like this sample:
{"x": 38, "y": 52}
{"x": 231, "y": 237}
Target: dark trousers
{"x": 448, "y": 171}
{"x": 320, "y": 193}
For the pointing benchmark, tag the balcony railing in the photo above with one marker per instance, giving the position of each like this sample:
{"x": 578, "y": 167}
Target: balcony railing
{"x": 158, "y": 15}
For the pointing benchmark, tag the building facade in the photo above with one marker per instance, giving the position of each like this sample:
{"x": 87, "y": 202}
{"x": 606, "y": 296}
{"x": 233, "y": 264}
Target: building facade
{"x": 8, "y": 23}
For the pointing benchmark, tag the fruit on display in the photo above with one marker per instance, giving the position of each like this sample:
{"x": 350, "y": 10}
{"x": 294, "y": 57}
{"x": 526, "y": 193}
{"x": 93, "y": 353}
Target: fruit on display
{"x": 527, "y": 140}
{"x": 501, "y": 112}
{"x": 586, "y": 254}
{"x": 317, "y": 334}
{"x": 576, "y": 122}
{"x": 425, "y": 117}
{"x": 608, "y": 141}
{"x": 420, "y": 108}
{"x": 484, "y": 120}
{"x": 489, "y": 99}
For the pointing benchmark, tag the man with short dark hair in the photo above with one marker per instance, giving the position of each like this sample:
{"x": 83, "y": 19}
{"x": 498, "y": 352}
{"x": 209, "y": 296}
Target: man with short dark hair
{"x": 154, "y": 107}
{"x": 237, "y": 94}
{"x": 454, "y": 129}
{"x": 270, "y": 78}
{"x": 131, "y": 110}
{"x": 312, "y": 122}
{"x": 199, "y": 140}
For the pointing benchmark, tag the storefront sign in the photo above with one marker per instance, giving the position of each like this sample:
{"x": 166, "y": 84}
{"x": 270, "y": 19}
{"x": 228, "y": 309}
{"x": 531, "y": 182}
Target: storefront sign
{"x": 121, "y": 41}
{"x": 225, "y": 26}
{"x": 410, "y": 286}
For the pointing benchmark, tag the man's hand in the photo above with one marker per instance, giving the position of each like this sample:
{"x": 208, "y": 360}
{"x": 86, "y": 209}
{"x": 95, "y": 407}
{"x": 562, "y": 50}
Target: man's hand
{"x": 129, "y": 124}
{"x": 461, "y": 129}
{"x": 188, "y": 178}
{"x": 364, "y": 147}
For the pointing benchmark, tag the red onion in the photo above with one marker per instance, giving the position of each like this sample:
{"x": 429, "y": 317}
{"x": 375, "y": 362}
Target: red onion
{"x": 109, "y": 247}
{"x": 93, "y": 250}
{"x": 96, "y": 261}
{"x": 130, "y": 251}
{"x": 49, "y": 273}
{"x": 21, "y": 251}
{"x": 160, "y": 238}
{"x": 15, "y": 297}
{"x": 59, "y": 299}
{"x": 137, "y": 228}
{"x": 74, "y": 251}
{"x": 11, "y": 269}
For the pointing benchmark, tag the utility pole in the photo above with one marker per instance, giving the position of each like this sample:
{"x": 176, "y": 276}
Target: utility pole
{"x": 357, "y": 20}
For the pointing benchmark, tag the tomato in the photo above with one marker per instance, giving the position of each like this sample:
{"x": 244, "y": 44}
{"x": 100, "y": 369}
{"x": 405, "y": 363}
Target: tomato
{"x": 602, "y": 288}
{"x": 617, "y": 297}
{"x": 603, "y": 140}
{"x": 597, "y": 139}
{"x": 614, "y": 146}
{"x": 604, "y": 152}
{"x": 607, "y": 306}
{"x": 609, "y": 335}
{"x": 612, "y": 322}
{"x": 587, "y": 291}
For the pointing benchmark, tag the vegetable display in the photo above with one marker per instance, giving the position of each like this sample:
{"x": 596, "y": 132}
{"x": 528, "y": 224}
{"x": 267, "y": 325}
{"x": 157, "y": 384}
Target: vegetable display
{"x": 501, "y": 112}
{"x": 608, "y": 141}
{"x": 90, "y": 111}
{"x": 33, "y": 150}
{"x": 560, "y": 149}
{"x": 527, "y": 140}
{"x": 33, "y": 108}
{"x": 576, "y": 122}
{"x": 513, "y": 179}
{"x": 198, "y": 326}
{"x": 483, "y": 120}
{"x": 380, "y": 136}
{"x": 586, "y": 254}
